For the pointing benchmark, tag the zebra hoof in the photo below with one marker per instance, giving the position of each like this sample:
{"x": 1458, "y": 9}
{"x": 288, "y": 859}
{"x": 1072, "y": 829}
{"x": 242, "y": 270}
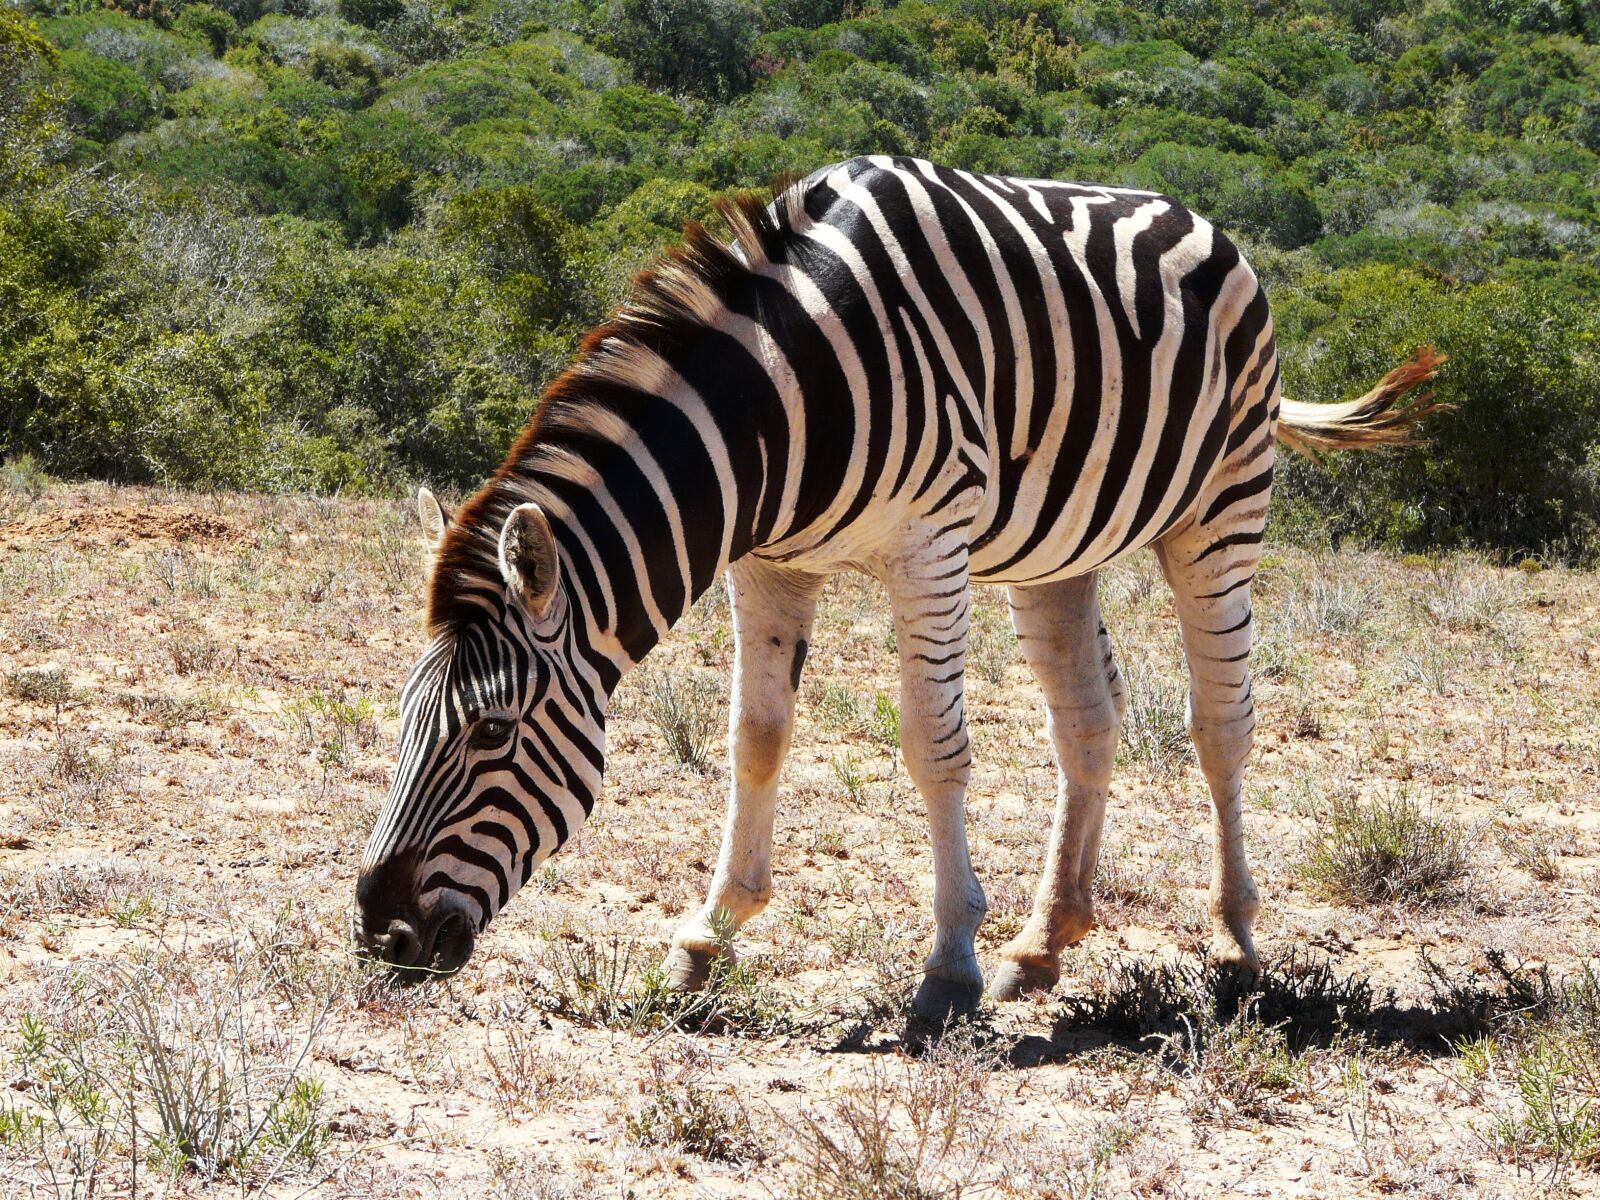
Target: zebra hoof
{"x": 1236, "y": 954}
{"x": 946, "y": 1000}
{"x": 686, "y": 971}
{"x": 1013, "y": 980}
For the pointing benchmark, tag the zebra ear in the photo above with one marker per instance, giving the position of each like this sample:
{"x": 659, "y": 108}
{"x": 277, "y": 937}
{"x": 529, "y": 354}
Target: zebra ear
{"x": 528, "y": 559}
{"x": 433, "y": 517}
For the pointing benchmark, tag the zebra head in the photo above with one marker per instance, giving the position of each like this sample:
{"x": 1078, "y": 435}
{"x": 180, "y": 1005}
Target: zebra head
{"x": 501, "y": 745}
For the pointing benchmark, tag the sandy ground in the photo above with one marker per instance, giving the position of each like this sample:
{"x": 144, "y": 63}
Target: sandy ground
{"x": 198, "y": 712}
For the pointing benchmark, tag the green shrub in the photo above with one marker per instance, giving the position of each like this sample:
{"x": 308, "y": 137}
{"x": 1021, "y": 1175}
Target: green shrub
{"x": 371, "y": 13}
{"x": 1515, "y": 465}
{"x": 1240, "y": 193}
{"x": 206, "y": 21}
{"x": 106, "y": 99}
{"x": 698, "y": 46}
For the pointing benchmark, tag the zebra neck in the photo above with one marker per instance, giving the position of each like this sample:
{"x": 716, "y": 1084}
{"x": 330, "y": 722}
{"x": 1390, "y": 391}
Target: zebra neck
{"x": 650, "y": 504}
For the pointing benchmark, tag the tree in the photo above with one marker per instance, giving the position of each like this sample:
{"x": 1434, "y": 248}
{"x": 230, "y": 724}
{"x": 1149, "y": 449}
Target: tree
{"x": 30, "y": 120}
{"x": 701, "y": 47}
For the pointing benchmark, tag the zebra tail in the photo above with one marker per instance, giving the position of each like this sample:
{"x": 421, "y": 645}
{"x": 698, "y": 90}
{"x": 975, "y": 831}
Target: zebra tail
{"x": 1376, "y": 419}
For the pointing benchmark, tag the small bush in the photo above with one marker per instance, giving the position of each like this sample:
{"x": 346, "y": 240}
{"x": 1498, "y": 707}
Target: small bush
{"x": 338, "y": 723}
{"x": 1556, "y": 1114}
{"x": 166, "y": 712}
{"x": 48, "y": 686}
{"x": 78, "y": 763}
{"x": 1242, "y": 1069}
{"x": 920, "y": 1129}
{"x": 208, "y": 1064}
{"x": 209, "y": 23}
{"x": 1155, "y": 726}
{"x": 24, "y": 475}
{"x": 687, "y": 712}
{"x": 1387, "y": 851}
{"x": 1534, "y": 850}
{"x": 692, "y": 1119}
{"x": 1543, "y": 1035}
{"x": 1429, "y": 665}
{"x": 194, "y": 651}
{"x": 847, "y": 770}
{"x": 525, "y": 1077}
{"x": 885, "y": 724}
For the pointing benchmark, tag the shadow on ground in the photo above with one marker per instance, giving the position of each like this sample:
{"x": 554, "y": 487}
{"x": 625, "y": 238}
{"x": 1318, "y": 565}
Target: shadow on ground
{"x": 1169, "y": 1010}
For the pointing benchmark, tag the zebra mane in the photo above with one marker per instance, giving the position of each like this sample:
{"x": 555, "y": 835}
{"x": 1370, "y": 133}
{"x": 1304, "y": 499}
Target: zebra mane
{"x": 686, "y": 289}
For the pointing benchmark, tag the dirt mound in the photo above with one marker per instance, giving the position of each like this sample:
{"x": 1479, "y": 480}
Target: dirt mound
{"x": 120, "y": 526}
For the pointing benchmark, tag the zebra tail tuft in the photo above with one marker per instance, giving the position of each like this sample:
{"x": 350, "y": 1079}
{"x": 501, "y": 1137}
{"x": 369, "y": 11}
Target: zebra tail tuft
{"x": 1377, "y": 419}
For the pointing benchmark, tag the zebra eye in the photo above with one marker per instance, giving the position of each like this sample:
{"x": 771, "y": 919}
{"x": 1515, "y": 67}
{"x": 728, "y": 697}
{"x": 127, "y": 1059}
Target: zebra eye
{"x": 489, "y": 732}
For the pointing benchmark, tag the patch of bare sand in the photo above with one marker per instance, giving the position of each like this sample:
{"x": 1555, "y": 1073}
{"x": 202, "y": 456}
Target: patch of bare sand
{"x": 122, "y": 526}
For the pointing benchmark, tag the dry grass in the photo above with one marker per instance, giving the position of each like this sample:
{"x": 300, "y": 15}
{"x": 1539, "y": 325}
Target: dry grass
{"x": 686, "y": 1115}
{"x": 197, "y": 736}
{"x": 1388, "y": 850}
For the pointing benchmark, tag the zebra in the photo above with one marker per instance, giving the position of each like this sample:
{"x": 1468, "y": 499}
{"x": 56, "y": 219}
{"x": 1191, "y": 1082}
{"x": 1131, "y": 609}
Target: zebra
{"x": 934, "y": 377}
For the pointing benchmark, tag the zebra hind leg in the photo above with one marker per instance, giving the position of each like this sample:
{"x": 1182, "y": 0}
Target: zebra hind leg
{"x": 1209, "y": 571}
{"x": 928, "y": 592}
{"x": 1061, "y": 635}
{"x": 773, "y": 610}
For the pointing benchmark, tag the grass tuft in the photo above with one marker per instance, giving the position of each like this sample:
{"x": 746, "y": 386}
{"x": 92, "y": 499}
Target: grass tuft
{"x": 1536, "y": 851}
{"x": 1332, "y": 606}
{"x": 687, "y": 712}
{"x": 1463, "y": 601}
{"x": 1386, "y": 851}
{"x": 612, "y": 985}
{"x": 1155, "y": 729}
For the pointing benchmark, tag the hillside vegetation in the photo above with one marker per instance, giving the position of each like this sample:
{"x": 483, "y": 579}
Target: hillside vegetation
{"x": 341, "y": 244}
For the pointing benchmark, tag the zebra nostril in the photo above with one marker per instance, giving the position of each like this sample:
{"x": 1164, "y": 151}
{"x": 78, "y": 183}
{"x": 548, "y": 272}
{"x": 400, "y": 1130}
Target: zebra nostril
{"x": 399, "y": 944}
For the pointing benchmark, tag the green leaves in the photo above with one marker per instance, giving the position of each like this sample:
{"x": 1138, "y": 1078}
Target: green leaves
{"x": 1514, "y": 465}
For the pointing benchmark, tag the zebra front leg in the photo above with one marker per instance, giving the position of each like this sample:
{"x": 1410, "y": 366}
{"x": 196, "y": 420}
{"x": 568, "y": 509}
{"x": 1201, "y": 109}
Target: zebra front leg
{"x": 1061, "y": 636}
{"x": 1211, "y": 590}
{"x": 773, "y": 609}
{"x": 929, "y": 595}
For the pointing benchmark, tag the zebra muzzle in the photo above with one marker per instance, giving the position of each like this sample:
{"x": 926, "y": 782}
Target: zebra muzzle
{"x": 441, "y": 946}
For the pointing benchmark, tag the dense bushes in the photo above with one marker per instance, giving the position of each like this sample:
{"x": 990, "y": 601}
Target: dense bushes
{"x": 1516, "y": 464}
{"x": 1243, "y": 193}
{"x": 342, "y": 245}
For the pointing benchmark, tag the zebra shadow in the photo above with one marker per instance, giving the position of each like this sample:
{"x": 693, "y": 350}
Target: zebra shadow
{"x": 1172, "y": 1010}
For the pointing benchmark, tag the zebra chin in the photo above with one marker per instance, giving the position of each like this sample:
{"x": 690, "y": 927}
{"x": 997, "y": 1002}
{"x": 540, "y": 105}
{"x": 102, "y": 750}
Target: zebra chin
{"x": 416, "y": 938}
